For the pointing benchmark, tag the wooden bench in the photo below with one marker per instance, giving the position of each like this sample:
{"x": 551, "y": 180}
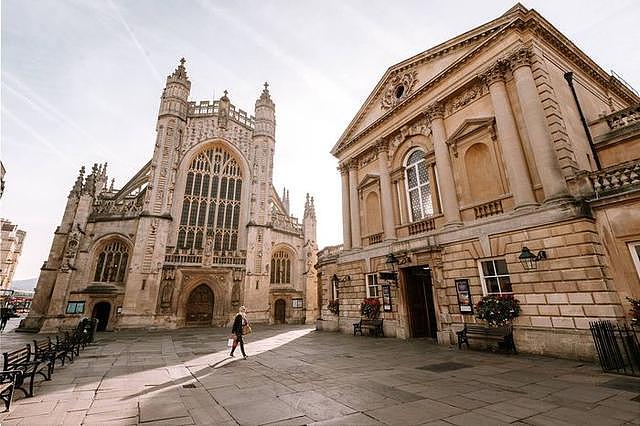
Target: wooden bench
{"x": 373, "y": 326}
{"x": 20, "y": 360}
{"x": 7, "y": 384}
{"x": 503, "y": 335}
{"x": 44, "y": 350}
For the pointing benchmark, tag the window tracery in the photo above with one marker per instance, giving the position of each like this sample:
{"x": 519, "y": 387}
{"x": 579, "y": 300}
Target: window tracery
{"x": 211, "y": 203}
{"x": 280, "y": 268}
{"x": 112, "y": 263}
{"x": 418, "y": 186}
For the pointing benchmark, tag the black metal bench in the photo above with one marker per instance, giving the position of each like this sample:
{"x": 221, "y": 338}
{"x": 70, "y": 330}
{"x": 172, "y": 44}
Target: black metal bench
{"x": 373, "y": 327}
{"x": 7, "y": 384}
{"x": 45, "y": 350}
{"x": 20, "y": 360}
{"x": 503, "y": 335}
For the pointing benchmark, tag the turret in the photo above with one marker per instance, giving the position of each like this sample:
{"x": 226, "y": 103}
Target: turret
{"x": 265, "y": 114}
{"x": 224, "y": 107}
{"x": 175, "y": 94}
{"x": 285, "y": 200}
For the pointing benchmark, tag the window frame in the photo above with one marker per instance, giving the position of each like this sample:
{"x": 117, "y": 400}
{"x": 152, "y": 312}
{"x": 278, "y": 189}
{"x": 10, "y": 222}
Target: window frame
{"x": 75, "y": 304}
{"x": 483, "y": 278}
{"x": 368, "y": 286}
{"x": 293, "y": 303}
{"x": 429, "y": 184}
{"x": 335, "y": 292}
{"x": 635, "y": 256}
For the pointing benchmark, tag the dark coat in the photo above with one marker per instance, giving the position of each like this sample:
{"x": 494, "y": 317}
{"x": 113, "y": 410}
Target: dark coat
{"x": 237, "y": 325}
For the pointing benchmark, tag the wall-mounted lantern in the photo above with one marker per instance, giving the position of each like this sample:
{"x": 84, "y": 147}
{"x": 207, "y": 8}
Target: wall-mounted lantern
{"x": 529, "y": 260}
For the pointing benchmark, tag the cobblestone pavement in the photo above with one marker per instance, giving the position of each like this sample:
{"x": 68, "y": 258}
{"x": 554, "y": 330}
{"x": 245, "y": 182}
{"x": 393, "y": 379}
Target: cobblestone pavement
{"x": 295, "y": 375}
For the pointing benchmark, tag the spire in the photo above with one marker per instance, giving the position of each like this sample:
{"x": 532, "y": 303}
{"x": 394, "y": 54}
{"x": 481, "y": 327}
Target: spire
{"x": 285, "y": 199}
{"x": 111, "y": 186}
{"x": 181, "y": 71}
{"x": 265, "y": 97}
{"x": 90, "y": 182}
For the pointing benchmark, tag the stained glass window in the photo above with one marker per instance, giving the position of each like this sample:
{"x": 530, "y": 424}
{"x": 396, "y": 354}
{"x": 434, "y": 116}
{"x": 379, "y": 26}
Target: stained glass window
{"x": 280, "y": 268}
{"x": 211, "y": 205}
{"x": 112, "y": 263}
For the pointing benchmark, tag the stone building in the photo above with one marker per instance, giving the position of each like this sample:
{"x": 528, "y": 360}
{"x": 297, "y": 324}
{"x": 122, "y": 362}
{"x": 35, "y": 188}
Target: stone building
{"x": 471, "y": 153}
{"x": 11, "y": 240}
{"x": 197, "y": 232}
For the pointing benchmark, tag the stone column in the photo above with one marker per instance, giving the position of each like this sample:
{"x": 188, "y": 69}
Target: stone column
{"x": 354, "y": 205}
{"x": 402, "y": 200}
{"x": 386, "y": 200}
{"x": 346, "y": 211}
{"x": 514, "y": 159}
{"x": 450, "y": 206}
{"x": 553, "y": 183}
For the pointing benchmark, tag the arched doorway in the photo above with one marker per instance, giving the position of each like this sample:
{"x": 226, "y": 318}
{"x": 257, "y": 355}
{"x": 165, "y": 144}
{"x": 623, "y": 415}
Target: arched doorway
{"x": 200, "y": 306}
{"x": 101, "y": 311}
{"x": 279, "y": 313}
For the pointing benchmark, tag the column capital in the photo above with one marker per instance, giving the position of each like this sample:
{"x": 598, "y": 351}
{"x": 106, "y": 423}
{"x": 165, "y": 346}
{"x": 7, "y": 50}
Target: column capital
{"x": 435, "y": 111}
{"x": 495, "y": 73}
{"x": 353, "y": 164}
{"x": 520, "y": 58}
{"x": 381, "y": 145}
{"x": 343, "y": 168}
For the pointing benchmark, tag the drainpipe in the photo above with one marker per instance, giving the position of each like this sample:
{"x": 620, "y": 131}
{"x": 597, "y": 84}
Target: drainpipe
{"x": 569, "y": 77}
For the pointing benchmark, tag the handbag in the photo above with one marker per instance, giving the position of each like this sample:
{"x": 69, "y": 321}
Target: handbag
{"x": 231, "y": 341}
{"x": 246, "y": 329}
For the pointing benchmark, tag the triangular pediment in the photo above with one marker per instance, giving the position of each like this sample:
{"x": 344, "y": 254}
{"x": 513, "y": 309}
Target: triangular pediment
{"x": 404, "y": 79}
{"x": 369, "y": 179}
{"x": 470, "y": 126}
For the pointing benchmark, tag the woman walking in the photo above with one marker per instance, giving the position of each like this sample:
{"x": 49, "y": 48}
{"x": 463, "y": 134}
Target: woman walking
{"x": 239, "y": 323}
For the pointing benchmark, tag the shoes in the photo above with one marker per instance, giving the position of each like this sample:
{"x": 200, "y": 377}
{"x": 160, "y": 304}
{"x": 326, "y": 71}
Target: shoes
{"x": 245, "y": 357}
{"x": 231, "y": 355}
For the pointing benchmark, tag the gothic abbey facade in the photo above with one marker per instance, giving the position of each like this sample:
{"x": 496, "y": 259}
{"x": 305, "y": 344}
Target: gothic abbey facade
{"x": 197, "y": 232}
{"x": 505, "y": 141}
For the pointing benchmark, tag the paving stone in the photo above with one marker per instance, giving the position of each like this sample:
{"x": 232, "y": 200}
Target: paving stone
{"x": 315, "y": 405}
{"x": 358, "y": 419}
{"x": 153, "y": 410}
{"x": 414, "y": 412}
{"x": 263, "y": 411}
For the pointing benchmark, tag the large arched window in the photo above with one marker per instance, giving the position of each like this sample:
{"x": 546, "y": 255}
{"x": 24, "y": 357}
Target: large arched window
{"x": 280, "y": 268}
{"x": 211, "y": 204}
{"x": 418, "y": 186}
{"x": 112, "y": 263}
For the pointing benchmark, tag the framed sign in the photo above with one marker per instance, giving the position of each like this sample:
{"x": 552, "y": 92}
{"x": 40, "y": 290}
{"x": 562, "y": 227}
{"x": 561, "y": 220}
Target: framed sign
{"x": 386, "y": 298}
{"x": 464, "y": 296}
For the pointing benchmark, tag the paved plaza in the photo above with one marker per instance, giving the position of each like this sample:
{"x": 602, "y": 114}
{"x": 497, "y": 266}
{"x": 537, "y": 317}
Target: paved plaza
{"x": 295, "y": 376}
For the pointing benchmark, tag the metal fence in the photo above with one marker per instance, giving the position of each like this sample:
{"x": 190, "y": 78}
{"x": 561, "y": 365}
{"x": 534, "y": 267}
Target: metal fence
{"x": 617, "y": 346}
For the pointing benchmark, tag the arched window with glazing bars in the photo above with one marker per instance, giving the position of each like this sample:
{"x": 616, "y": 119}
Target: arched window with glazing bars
{"x": 112, "y": 263}
{"x": 280, "y": 267}
{"x": 211, "y": 203}
{"x": 418, "y": 186}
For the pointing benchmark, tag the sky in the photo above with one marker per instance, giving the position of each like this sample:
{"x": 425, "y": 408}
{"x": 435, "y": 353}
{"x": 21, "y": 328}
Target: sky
{"x": 82, "y": 79}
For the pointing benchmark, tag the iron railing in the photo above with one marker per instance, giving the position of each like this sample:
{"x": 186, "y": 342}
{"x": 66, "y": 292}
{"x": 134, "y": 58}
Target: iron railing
{"x": 617, "y": 347}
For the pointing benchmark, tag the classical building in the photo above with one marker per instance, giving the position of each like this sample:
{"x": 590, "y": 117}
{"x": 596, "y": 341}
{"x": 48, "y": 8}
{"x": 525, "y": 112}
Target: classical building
{"x": 197, "y": 232}
{"x": 503, "y": 141}
{"x": 11, "y": 240}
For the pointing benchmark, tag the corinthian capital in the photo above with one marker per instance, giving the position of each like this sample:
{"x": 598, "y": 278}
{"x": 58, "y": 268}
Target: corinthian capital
{"x": 495, "y": 73}
{"x": 343, "y": 168}
{"x": 435, "y": 111}
{"x": 381, "y": 145}
{"x": 520, "y": 58}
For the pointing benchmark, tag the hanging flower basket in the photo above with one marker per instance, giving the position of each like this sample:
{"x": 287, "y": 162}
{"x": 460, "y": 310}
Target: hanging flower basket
{"x": 370, "y": 308}
{"x": 498, "y": 309}
{"x": 334, "y": 306}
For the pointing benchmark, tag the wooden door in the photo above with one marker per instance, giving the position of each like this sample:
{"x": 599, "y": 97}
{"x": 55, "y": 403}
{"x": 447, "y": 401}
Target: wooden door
{"x": 420, "y": 306}
{"x": 280, "y": 313}
{"x": 200, "y": 305}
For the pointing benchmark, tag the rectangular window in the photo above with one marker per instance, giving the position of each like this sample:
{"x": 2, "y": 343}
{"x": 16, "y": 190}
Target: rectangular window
{"x": 373, "y": 290}
{"x": 334, "y": 289}
{"x": 495, "y": 276}
{"x": 75, "y": 307}
{"x": 634, "y": 247}
{"x": 296, "y": 303}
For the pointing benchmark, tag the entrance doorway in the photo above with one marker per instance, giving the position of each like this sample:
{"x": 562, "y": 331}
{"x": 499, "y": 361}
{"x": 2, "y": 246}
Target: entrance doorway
{"x": 200, "y": 306}
{"x": 420, "y": 305}
{"x": 101, "y": 311}
{"x": 279, "y": 314}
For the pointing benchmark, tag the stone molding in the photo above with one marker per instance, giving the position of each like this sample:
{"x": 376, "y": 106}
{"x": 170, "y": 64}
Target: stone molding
{"x": 520, "y": 58}
{"x": 435, "y": 111}
{"x": 407, "y": 80}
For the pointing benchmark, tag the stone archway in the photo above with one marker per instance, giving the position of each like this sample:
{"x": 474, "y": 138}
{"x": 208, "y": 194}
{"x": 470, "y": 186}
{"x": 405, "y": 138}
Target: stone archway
{"x": 101, "y": 311}
{"x": 199, "y": 307}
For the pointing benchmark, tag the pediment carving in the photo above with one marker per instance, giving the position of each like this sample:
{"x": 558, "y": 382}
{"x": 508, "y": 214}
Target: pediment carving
{"x": 468, "y": 127}
{"x": 419, "y": 127}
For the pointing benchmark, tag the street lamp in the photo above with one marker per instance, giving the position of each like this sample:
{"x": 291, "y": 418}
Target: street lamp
{"x": 529, "y": 260}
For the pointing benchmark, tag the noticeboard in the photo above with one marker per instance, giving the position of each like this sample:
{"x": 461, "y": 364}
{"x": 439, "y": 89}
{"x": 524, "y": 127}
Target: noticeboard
{"x": 464, "y": 296}
{"x": 386, "y": 298}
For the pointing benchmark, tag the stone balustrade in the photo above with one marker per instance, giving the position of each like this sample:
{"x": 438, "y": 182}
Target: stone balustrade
{"x": 424, "y": 225}
{"x": 205, "y": 108}
{"x": 624, "y": 117}
{"x": 376, "y": 238}
{"x": 491, "y": 208}
{"x": 616, "y": 179}
{"x": 217, "y": 258}
{"x": 127, "y": 207}
{"x": 283, "y": 222}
